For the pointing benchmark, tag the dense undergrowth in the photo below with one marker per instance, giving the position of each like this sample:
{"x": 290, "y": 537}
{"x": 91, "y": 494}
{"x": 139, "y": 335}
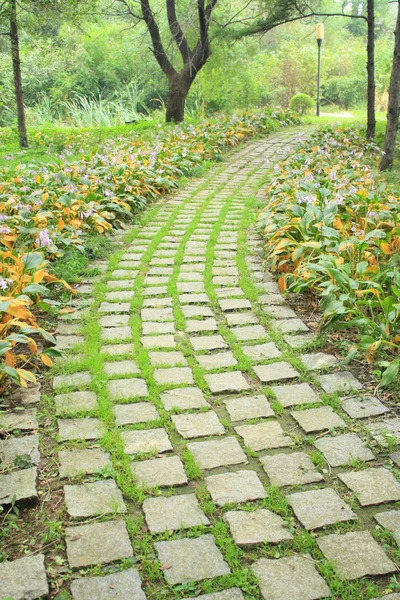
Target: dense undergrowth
{"x": 332, "y": 227}
{"x": 50, "y": 208}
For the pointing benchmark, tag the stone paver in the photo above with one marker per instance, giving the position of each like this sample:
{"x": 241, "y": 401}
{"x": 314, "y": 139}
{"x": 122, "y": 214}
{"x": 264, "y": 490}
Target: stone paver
{"x": 123, "y": 389}
{"x": 361, "y": 408}
{"x": 208, "y": 342}
{"x": 121, "y": 367}
{"x": 159, "y": 472}
{"x": 233, "y": 381}
{"x": 317, "y": 419}
{"x": 23, "y": 420}
{"x": 183, "y": 398}
{"x": 18, "y": 486}
{"x": 343, "y": 449}
{"x": 92, "y": 499}
{"x": 23, "y": 579}
{"x": 248, "y": 528}
{"x": 191, "y": 559}
{"x": 75, "y": 402}
{"x": 219, "y": 360}
{"x": 198, "y": 425}
{"x": 262, "y": 351}
{"x": 167, "y": 359}
{"x": 355, "y": 554}
{"x": 343, "y": 382}
{"x": 80, "y": 429}
{"x": 239, "y": 486}
{"x": 372, "y": 486}
{"x": 83, "y": 548}
{"x": 173, "y": 513}
{"x": 318, "y": 508}
{"x": 173, "y": 376}
{"x": 386, "y": 431}
{"x": 123, "y": 585}
{"x": 390, "y": 520}
{"x": 295, "y": 468}
{"x": 146, "y": 440}
{"x": 82, "y": 461}
{"x": 231, "y": 594}
{"x": 263, "y": 436}
{"x": 248, "y": 407}
{"x": 295, "y": 394}
{"x": 275, "y": 372}
{"x": 76, "y": 380}
{"x": 318, "y": 360}
{"x": 217, "y": 453}
{"x": 139, "y": 412}
{"x": 26, "y": 447}
{"x": 290, "y": 578}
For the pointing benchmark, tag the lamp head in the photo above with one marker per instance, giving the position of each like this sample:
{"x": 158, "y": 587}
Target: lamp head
{"x": 319, "y": 32}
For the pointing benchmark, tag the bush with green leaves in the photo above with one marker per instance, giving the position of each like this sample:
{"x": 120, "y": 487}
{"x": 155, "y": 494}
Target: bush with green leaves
{"x": 301, "y": 103}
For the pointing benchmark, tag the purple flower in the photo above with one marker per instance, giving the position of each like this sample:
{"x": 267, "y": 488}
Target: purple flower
{"x": 5, "y": 283}
{"x": 108, "y": 193}
{"x": 43, "y": 239}
{"x": 5, "y": 229}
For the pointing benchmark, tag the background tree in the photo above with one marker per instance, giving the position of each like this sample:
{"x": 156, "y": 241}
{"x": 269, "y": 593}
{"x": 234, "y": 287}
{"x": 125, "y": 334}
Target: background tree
{"x": 389, "y": 145}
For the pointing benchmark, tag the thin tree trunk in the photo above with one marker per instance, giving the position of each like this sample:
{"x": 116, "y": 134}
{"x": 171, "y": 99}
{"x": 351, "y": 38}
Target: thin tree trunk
{"x": 16, "y": 62}
{"x": 178, "y": 91}
{"x": 371, "y": 122}
{"x": 389, "y": 145}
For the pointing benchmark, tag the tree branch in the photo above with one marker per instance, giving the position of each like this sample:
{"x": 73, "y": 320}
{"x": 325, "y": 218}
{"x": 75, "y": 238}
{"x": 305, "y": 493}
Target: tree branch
{"x": 158, "y": 48}
{"x": 177, "y": 32}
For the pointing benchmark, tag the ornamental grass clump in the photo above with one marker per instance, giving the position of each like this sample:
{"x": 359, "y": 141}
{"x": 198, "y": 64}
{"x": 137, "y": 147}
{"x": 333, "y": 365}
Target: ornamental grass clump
{"x": 332, "y": 227}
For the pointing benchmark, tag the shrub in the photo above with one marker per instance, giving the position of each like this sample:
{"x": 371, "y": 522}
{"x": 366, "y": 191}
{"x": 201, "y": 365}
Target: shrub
{"x": 301, "y": 103}
{"x": 345, "y": 91}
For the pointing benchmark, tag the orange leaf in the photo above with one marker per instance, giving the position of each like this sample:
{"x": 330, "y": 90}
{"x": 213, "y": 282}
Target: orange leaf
{"x": 45, "y": 196}
{"x": 61, "y": 224}
{"x": 386, "y": 248}
{"x": 46, "y": 360}
{"x": 282, "y": 284}
{"x": 10, "y": 359}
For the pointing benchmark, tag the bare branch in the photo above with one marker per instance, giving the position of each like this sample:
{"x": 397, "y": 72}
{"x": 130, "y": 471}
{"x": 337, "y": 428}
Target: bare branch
{"x": 177, "y": 32}
{"x": 158, "y": 48}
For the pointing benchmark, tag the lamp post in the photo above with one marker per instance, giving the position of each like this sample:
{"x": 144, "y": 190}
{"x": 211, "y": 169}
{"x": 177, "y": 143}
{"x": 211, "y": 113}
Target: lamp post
{"x": 319, "y": 34}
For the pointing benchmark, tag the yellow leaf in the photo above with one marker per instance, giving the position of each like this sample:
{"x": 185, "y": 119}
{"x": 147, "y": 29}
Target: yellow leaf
{"x": 45, "y": 196}
{"x": 46, "y": 360}
{"x": 386, "y": 248}
{"x": 61, "y": 224}
{"x": 10, "y": 359}
{"x": 282, "y": 284}
{"x": 37, "y": 179}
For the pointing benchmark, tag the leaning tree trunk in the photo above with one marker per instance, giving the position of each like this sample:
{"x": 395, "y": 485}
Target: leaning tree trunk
{"x": 389, "y": 145}
{"x": 178, "y": 91}
{"x": 16, "y": 63}
{"x": 371, "y": 121}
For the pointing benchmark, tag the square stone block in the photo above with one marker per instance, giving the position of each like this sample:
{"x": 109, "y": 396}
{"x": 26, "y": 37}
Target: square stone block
{"x": 318, "y": 360}
{"x": 343, "y": 382}
{"x": 157, "y": 314}
{"x": 361, "y": 408}
{"x": 123, "y": 389}
{"x": 191, "y": 559}
{"x": 318, "y": 508}
{"x": 198, "y": 425}
{"x": 14, "y": 447}
{"x": 173, "y": 376}
{"x": 208, "y": 342}
{"x": 262, "y": 436}
{"x": 93, "y": 499}
{"x": 80, "y": 429}
{"x": 386, "y": 431}
{"x": 196, "y": 311}
{"x": 146, "y": 440}
{"x": 390, "y": 520}
{"x": 299, "y": 341}
{"x": 248, "y": 407}
{"x": 216, "y": 361}
{"x": 294, "y": 395}
{"x": 275, "y": 372}
{"x": 240, "y": 486}
{"x": 75, "y": 402}
{"x": 290, "y": 578}
{"x": 355, "y": 554}
{"x": 249, "y": 332}
{"x": 151, "y": 328}
{"x": 114, "y": 307}
{"x": 317, "y": 419}
{"x": 82, "y": 461}
{"x": 84, "y": 549}
{"x": 372, "y": 486}
{"x": 231, "y": 594}
{"x": 155, "y": 342}
{"x": 18, "y": 485}
{"x": 119, "y": 320}
{"x": 173, "y": 513}
{"x": 159, "y": 472}
{"x": 167, "y": 359}
{"x": 122, "y": 585}
{"x": 116, "y": 333}
{"x": 240, "y": 318}
{"x": 289, "y": 325}
{"x": 257, "y": 526}
{"x": 193, "y": 299}
{"x": 21, "y": 420}
{"x": 262, "y": 351}
{"x": 232, "y": 381}
{"x": 140, "y": 412}
{"x": 24, "y": 578}
{"x": 217, "y": 453}
{"x": 75, "y": 380}
{"x": 342, "y": 449}
{"x": 230, "y": 304}
{"x": 121, "y": 367}
{"x": 197, "y": 325}
{"x": 280, "y": 312}
{"x": 290, "y": 469}
{"x": 117, "y": 349}
{"x": 183, "y": 398}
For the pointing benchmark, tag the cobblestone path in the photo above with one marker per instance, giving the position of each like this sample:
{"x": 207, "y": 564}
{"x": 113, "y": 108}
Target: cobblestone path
{"x": 205, "y": 446}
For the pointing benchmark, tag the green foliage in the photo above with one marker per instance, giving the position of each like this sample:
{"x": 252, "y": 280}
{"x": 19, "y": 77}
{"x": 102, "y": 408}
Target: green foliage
{"x": 333, "y": 228}
{"x": 301, "y": 103}
{"x": 345, "y": 91}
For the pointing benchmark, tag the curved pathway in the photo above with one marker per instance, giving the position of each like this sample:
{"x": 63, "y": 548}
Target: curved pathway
{"x": 203, "y": 447}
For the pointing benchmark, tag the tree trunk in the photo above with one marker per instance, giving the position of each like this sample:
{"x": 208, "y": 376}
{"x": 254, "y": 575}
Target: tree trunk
{"x": 16, "y": 62}
{"x": 389, "y": 145}
{"x": 178, "y": 91}
{"x": 371, "y": 122}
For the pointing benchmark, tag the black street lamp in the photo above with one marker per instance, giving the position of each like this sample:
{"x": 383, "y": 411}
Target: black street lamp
{"x": 320, "y": 36}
